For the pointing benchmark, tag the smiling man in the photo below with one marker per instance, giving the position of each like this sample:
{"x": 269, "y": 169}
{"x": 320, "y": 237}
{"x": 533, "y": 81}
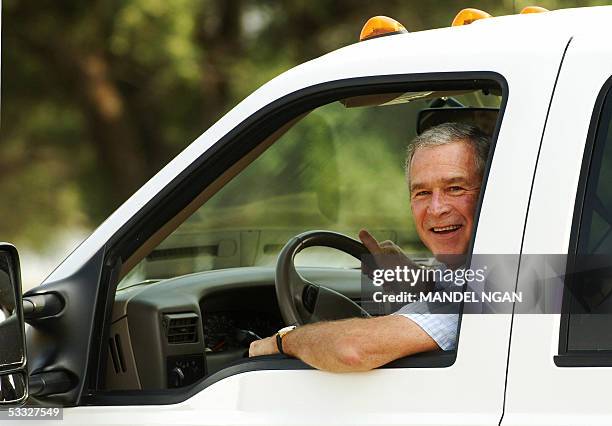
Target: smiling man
{"x": 444, "y": 170}
{"x": 444, "y": 167}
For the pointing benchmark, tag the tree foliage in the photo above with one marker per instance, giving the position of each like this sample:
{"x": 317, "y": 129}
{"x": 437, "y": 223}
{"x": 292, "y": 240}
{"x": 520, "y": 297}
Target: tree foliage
{"x": 99, "y": 95}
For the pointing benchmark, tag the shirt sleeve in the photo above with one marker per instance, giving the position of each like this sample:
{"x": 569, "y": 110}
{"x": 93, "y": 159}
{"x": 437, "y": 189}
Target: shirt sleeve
{"x": 442, "y": 327}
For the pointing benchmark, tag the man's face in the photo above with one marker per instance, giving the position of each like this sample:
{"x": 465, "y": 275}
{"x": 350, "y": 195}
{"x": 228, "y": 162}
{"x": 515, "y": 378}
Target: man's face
{"x": 444, "y": 188}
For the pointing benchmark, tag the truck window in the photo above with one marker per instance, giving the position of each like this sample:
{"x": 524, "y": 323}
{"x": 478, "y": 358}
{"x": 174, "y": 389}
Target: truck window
{"x": 210, "y": 281}
{"x": 587, "y": 306}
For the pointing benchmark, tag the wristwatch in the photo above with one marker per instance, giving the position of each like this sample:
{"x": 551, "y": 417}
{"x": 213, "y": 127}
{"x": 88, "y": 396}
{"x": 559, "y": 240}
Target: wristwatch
{"x": 279, "y": 337}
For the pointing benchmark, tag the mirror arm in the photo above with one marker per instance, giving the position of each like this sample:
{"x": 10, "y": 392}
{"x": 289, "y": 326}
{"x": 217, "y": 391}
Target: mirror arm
{"x": 50, "y": 382}
{"x": 42, "y": 305}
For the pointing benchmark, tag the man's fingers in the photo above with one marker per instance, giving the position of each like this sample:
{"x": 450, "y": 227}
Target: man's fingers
{"x": 255, "y": 348}
{"x": 264, "y": 346}
{"x": 370, "y": 242}
{"x": 390, "y": 248}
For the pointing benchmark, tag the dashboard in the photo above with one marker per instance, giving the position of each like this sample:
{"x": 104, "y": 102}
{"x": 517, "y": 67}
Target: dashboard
{"x": 174, "y": 332}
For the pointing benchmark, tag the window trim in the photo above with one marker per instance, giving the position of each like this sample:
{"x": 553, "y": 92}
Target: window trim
{"x": 581, "y": 358}
{"x": 209, "y": 166}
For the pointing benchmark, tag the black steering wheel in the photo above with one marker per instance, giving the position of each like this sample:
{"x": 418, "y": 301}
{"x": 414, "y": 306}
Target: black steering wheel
{"x": 302, "y": 302}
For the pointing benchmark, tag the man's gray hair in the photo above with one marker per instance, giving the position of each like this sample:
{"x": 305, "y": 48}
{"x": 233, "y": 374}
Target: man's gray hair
{"x": 446, "y": 133}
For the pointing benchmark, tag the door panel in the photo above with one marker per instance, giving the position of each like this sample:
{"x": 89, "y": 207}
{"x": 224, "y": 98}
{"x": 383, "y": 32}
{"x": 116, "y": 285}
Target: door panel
{"x": 540, "y": 392}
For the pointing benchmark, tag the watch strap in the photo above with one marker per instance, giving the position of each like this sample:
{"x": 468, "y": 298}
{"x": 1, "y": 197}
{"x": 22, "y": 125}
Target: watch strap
{"x": 279, "y": 343}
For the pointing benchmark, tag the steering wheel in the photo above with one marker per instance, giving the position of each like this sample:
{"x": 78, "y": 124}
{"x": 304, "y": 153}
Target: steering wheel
{"x": 303, "y": 302}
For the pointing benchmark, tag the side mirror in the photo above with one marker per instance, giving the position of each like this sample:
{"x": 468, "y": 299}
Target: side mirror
{"x": 13, "y": 371}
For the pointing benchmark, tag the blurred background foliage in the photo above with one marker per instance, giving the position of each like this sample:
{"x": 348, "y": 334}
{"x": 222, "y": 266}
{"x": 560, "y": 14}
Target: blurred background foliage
{"x": 98, "y": 95}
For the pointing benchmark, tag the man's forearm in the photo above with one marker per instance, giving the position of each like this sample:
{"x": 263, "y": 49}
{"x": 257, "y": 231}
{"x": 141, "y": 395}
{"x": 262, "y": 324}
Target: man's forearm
{"x": 357, "y": 344}
{"x": 320, "y": 346}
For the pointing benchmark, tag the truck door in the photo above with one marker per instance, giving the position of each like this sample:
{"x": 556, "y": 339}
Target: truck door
{"x": 560, "y": 363}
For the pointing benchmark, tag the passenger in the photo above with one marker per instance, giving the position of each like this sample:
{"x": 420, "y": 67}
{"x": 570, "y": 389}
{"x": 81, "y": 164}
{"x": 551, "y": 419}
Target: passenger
{"x": 444, "y": 171}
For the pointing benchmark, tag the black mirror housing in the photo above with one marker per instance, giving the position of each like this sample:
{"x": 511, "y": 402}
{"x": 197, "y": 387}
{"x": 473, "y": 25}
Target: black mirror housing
{"x": 13, "y": 371}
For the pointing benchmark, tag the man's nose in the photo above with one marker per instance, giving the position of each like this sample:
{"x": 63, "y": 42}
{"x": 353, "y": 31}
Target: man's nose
{"x": 439, "y": 204}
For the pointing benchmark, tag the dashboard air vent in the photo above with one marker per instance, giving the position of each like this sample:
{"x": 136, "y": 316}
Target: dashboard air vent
{"x": 181, "y": 328}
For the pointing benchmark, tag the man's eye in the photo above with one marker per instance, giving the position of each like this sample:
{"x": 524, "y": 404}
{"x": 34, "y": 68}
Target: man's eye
{"x": 421, "y": 193}
{"x": 455, "y": 189}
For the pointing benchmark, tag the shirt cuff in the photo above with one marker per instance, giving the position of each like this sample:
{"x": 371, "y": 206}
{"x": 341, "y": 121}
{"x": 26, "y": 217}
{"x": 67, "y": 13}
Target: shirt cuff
{"x": 442, "y": 328}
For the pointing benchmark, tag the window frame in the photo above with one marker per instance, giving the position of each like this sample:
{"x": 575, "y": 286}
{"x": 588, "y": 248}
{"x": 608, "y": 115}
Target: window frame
{"x": 582, "y": 358}
{"x": 233, "y": 146}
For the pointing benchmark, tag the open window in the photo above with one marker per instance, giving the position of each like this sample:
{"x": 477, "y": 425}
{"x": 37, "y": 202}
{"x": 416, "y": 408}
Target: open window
{"x": 195, "y": 278}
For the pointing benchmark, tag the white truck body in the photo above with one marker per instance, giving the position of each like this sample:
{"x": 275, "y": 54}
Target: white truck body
{"x": 555, "y": 65}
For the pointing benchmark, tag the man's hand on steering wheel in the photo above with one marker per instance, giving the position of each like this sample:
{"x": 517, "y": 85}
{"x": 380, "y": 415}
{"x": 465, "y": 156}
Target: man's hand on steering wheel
{"x": 387, "y": 251}
{"x": 388, "y": 255}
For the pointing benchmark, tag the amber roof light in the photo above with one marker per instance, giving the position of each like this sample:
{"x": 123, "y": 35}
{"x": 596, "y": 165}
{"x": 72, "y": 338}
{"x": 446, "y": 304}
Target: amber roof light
{"x": 379, "y": 26}
{"x": 467, "y": 16}
{"x": 533, "y": 9}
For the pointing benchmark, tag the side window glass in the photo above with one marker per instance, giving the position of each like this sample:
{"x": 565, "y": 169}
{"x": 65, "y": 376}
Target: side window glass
{"x": 588, "y": 295}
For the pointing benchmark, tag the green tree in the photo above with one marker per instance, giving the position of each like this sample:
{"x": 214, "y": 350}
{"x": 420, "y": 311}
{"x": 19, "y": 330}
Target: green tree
{"x": 99, "y": 95}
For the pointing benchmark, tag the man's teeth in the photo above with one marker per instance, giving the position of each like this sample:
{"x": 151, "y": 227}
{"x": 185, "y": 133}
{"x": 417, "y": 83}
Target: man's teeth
{"x": 446, "y": 228}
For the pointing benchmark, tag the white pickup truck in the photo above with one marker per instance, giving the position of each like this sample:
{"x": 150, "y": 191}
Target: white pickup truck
{"x": 148, "y": 320}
